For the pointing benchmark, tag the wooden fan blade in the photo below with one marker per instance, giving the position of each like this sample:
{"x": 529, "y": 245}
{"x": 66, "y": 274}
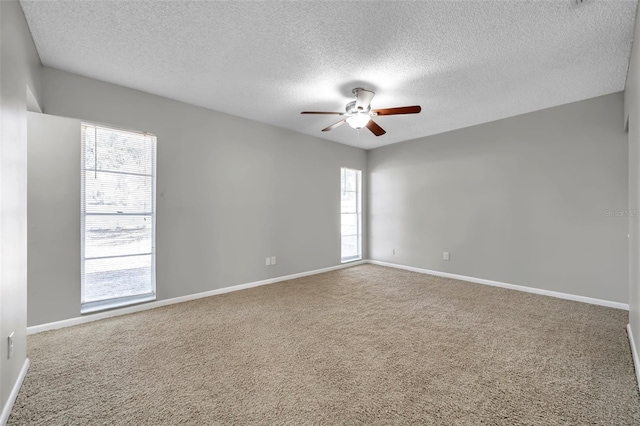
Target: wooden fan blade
{"x": 400, "y": 110}
{"x": 334, "y": 125}
{"x": 375, "y": 129}
{"x": 322, "y": 112}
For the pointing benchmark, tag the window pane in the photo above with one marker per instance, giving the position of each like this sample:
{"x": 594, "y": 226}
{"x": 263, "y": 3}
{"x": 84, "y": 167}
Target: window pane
{"x": 350, "y": 180}
{"x": 350, "y": 208}
{"x": 113, "y": 193}
{"x": 349, "y": 202}
{"x": 117, "y": 235}
{"x": 349, "y": 224}
{"x": 117, "y": 277}
{"x": 118, "y": 150}
{"x": 89, "y": 134}
{"x": 118, "y": 216}
{"x": 350, "y": 247}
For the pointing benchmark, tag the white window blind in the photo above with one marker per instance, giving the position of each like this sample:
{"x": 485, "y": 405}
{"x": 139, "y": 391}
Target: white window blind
{"x": 118, "y": 217}
{"x": 351, "y": 214}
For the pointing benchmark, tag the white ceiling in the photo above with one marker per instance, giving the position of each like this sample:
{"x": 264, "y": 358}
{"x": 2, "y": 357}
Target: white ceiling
{"x": 464, "y": 62}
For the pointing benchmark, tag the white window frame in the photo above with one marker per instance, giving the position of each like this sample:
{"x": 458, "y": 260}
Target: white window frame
{"x": 101, "y": 305}
{"x": 358, "y": 213}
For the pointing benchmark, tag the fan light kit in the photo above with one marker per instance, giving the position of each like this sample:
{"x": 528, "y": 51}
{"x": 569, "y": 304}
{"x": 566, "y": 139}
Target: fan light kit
{"x": 358, "y": 120}
{"x": 358, "y": 113}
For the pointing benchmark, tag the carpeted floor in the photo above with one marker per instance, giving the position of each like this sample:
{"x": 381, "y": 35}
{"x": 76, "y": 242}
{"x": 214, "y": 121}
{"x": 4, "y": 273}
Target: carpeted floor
{"x": 362, "y": 345}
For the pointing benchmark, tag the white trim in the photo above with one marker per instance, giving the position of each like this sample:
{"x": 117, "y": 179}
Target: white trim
{"x": 6, "y": 411}
{"x": 634, "y": 354}
{"x": 118, "y": 302}
{"x": 557, "y": 294}
{"x": 151, "y": 305}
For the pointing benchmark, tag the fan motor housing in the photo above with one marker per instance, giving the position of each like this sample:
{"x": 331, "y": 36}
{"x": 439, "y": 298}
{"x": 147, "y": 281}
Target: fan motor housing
{"x": 351, "y": 108}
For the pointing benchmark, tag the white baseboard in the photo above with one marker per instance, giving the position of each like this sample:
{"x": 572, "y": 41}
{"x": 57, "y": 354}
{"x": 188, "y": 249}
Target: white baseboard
{"x": 6, "y": 410}
{"x": 151, "y": 305}
{"x": 634, "y": 354}
{"x": 557, "y": 294}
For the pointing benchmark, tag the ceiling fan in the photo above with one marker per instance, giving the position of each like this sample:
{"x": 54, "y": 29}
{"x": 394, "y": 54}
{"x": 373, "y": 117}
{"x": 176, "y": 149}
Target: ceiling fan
{"x": 359, "y": 113}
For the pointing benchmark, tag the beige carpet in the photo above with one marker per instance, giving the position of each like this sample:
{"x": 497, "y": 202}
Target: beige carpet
{"x": 363, "y": 345}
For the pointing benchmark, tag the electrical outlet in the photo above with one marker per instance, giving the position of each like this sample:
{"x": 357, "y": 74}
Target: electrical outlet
{"x": 10, "y": 345}
{"x": 445, "y": 255}
{"x": 273, "y": 260}
{"x": 268, "y": 261}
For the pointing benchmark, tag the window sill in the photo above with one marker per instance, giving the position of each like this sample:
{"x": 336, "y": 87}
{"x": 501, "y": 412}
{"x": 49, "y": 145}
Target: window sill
{"x": 351, "y": 259}
{"x": 104, "y": 305}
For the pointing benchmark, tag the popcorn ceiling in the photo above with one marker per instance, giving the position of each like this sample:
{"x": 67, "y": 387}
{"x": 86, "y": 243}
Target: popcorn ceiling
{"x": 464, "y": 62}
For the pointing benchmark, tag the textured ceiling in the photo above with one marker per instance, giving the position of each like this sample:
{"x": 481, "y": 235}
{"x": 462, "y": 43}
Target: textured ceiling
{"x": 464, "y": 62}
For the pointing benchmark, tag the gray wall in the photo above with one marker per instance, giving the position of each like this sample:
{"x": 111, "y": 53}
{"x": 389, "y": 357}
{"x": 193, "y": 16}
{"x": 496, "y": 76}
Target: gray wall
{"x": 520, "y": 200}
{"x": 230, "y": 192}
{"x": 632, "y": 114}
{"x": 20, "y": 66}
{"x": 53, "y": 219}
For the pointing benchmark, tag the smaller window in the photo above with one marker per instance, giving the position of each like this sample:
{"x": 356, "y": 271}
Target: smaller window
{"x": 351, "y": 214}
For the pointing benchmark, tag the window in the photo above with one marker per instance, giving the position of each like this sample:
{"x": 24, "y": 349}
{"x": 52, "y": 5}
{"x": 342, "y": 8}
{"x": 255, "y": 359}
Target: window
{"x": 351, "y": 213}
{"x": 118, "y": 217}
